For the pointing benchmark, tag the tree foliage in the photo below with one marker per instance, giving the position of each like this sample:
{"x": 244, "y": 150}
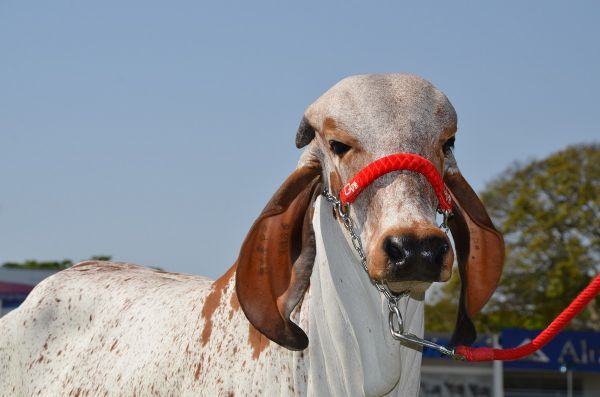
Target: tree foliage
{"x": 49, "y": 265}
{"x": 549, "y": 213}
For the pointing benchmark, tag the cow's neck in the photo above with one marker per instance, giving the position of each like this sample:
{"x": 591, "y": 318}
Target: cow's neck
{"x": 351, "y": 351}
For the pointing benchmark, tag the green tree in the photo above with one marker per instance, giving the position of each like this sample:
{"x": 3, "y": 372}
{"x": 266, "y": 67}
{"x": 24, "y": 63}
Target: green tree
{"x": 105, "y": 258}
{"x": 49, "y": 265}
{"x": 45, "y": 265}
{"x": 549, "y": 213}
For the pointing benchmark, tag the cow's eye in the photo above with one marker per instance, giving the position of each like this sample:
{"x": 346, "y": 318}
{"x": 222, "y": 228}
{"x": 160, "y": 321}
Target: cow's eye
{"x": 448, "y": 146}
{"x": 338, "y": 148}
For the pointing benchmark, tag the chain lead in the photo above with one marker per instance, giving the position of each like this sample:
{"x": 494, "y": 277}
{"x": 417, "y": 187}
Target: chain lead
{"x": 344, "y": 213}
{"x": 395, "y": 321}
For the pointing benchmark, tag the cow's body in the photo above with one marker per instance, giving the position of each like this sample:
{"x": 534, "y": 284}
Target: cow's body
{"x": 106, "y": 329}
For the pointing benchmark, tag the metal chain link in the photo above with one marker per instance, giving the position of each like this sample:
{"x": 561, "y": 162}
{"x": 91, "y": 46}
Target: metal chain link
{"x": 395, "y": 321}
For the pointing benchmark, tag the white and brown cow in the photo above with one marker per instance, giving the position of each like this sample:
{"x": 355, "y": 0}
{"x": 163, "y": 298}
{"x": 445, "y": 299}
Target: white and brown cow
{"x": 115, "y": 329}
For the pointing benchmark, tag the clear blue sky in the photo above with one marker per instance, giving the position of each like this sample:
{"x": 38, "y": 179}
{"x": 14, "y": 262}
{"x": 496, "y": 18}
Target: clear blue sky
{"x": 155, "y": 132}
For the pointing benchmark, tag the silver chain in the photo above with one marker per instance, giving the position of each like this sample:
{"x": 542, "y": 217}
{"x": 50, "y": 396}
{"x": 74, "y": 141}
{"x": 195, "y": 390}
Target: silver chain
{"x": 344, "y": 213}
{"x": 395, "y": 320}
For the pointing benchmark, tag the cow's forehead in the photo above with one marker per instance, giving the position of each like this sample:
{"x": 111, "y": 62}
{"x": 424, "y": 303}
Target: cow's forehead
{"x": 386, "y": 106}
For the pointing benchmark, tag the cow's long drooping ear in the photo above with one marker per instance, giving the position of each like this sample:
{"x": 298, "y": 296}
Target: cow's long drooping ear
{"x": 276, "y": 259}
{"x": 480, "y": 253}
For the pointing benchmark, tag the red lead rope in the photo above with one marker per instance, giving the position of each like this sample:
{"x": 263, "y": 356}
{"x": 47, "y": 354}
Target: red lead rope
{"x": 489, "y": 354}
{"x": 397, "y": 162}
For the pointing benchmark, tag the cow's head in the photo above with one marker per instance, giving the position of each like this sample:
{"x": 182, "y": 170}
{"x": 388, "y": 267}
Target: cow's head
{"x": 359, "y": 120}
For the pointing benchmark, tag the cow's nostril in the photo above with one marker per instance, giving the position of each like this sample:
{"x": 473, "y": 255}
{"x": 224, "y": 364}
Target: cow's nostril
{"x": 440, "y": 253}
{"x": 394, "y": 249}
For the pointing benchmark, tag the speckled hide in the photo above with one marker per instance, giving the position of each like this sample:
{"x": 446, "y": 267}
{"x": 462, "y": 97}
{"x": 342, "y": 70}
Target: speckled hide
{"x": 114, "y": 329}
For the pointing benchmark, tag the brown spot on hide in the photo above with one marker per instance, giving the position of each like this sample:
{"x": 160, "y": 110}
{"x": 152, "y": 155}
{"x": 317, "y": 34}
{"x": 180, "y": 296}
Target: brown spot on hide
{"x": 197, "y": 372}
{"x": 112, "y": 347}
{"x": 213, "y": 299}
{"x": 440, "y": 111}
{"x": 257, "y": 341}
{"x": 235, "y": 304}
{"x": 329, "y": 124}
{"x": 210, "y": 305}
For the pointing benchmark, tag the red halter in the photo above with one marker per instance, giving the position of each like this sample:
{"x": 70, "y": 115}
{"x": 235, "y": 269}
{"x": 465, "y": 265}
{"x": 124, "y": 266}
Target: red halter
{"x": 397, "y": 162}
{"x": 413, "y": 162}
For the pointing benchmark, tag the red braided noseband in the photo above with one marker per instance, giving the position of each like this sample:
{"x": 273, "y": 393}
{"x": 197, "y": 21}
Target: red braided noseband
{"x": 397, "y": 162}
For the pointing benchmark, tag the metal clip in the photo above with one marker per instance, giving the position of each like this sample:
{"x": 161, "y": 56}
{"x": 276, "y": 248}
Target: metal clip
{"x": 342, "y": 209}
{"x": 395, "y": 319}
{"x": 413, "y": 339}
{"x": 397, "y": 330}
{"x": 446, "y": 214}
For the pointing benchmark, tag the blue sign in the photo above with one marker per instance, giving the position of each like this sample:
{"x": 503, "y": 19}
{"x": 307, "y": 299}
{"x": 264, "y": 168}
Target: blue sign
{"x": 577, "y": 351}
